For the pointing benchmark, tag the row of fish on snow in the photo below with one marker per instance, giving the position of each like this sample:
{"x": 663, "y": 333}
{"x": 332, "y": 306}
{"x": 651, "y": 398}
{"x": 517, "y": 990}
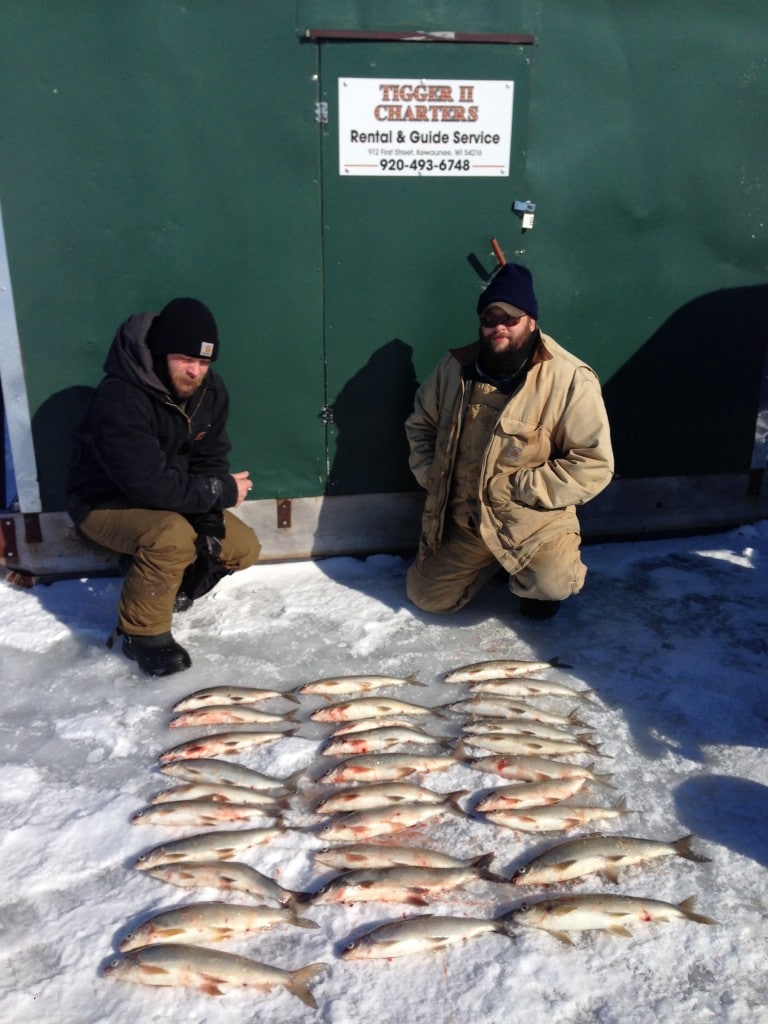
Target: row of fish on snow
{"x": 376, "y": 745}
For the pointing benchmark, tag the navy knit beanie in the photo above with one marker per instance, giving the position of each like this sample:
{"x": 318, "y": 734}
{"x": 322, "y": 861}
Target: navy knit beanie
{"x": 186, "y": 327}
{"x": 512, "y": 284}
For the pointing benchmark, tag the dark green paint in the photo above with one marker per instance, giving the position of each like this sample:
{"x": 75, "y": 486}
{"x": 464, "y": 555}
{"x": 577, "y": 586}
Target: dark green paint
{"x": 156, "y": 148}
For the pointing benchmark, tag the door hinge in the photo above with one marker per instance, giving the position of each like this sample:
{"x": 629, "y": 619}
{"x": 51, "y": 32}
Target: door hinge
{"x": 321, "y": 112}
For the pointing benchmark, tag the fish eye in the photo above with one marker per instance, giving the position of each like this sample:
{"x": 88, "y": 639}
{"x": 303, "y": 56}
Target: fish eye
{"x": 353, "y": 945}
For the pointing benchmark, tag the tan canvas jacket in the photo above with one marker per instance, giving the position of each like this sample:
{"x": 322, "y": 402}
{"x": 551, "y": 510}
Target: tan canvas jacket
{"x": 549, "y": 452}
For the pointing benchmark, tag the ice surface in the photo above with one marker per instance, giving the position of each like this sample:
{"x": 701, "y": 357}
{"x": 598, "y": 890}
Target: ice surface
{"x": 670, "y": 634}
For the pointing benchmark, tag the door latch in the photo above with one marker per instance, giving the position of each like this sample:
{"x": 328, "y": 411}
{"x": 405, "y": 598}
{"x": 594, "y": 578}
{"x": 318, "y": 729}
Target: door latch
{"x": 525, "y": 210}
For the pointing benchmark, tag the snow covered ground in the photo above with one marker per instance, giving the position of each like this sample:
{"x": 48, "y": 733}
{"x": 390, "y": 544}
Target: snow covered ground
{"x": 670, "y": 634}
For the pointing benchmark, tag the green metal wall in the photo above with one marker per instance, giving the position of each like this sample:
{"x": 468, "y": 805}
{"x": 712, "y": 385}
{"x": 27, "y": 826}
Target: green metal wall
{"x": 158, "y": 148}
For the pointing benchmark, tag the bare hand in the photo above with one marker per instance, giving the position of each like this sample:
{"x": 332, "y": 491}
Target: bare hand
{"x": 244, "y": 485}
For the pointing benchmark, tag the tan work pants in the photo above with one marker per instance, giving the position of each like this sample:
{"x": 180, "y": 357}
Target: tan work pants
{"x": 162, "y": 545}
{"x": 447, "y": 579}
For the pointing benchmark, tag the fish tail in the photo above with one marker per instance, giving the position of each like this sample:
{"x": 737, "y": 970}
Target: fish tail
{"x": 304, "y": 922}
{"x": 291, "y": 782}
{"x": 596, "y": 748}
{"x": 682, "y": 848}
{"x": 504, "y": 927}
{"x": 414, "y": 680}
{"x": 686, "y": 908}
{"x": 573, "y": 719}
{"x": 481, "y": 866}
{"x": 602, "y": 780}
{"x": 290, "y": 716}
{"x": 460, "y": 752}
{"x": 454, "y": 797}
{"x": 290, "y": 898}
{"x": 556, "y": 663}
{"x": 298, "y": 981}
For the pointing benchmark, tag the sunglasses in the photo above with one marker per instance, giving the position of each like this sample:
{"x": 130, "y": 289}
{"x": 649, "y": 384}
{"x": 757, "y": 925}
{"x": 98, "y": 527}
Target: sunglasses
{"x": 494, "y": 319}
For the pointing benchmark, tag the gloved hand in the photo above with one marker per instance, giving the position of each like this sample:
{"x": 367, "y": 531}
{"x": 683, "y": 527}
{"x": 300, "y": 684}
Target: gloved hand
{"x": 211, "y": 524}
{"x": 210, "y": 530}
{"x": 206, "y": 570}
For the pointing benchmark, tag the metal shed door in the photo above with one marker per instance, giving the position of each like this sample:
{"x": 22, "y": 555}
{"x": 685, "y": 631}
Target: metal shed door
{"x": 423, "y": 157}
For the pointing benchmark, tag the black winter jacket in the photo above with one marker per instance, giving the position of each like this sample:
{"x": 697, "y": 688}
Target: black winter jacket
{"x": 136, "y": 448}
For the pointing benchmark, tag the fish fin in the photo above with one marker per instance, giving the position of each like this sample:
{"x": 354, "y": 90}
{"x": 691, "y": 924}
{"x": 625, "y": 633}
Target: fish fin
{"x": 298, "y": 981}
{"x": 567, "y": 863}
{"x": 290, "y": 716}
{"x": 563, "y": 937}
{"x": 682, "y": 848}
{"x": 686, "y": 908}
{"x": 610, "y": 874}
{"x": 291, "y": 697}
{"x": 620, "y": 930}
{"x": 621, "y": 806}
{"x": 211, "y": 987}
{"x": 460, "y": 752}
{"x": 416, "y": 901}
{"x": 152, "y": 969}
{"x": 170, "y": 933}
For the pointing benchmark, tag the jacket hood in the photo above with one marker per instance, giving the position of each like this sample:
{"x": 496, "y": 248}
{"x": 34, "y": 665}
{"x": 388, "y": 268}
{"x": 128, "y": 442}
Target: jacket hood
{"x": 129, "y": 358}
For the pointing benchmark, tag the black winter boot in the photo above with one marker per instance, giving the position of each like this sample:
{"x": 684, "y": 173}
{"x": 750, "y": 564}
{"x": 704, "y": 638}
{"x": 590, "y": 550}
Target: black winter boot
{"x": 156, "y": 655}
{"x": 533, "y": 609}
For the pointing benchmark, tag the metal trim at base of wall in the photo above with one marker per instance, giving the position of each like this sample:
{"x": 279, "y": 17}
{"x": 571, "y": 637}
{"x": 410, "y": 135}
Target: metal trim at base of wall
{"x": 364, "y": 524}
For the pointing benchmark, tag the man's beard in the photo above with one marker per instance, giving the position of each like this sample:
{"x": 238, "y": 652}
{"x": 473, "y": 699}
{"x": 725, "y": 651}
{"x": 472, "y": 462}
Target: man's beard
{"x": 182, "y": 387}
{"x": 503, "y": 364}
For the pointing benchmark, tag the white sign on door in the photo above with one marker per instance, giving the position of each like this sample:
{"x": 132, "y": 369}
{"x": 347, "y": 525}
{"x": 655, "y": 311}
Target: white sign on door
{"x": 391, "y": 127}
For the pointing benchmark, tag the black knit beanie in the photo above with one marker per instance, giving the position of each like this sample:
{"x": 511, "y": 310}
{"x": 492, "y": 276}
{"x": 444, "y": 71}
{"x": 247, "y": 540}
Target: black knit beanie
{"x": 513, "y": 285}
{"x": 186, "y": 327}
